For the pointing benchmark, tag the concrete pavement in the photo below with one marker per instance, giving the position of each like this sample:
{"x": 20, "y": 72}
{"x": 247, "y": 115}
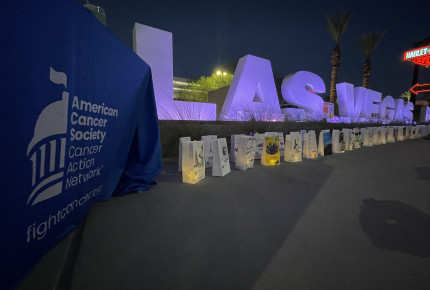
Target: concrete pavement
{"x": 357, "y": 220}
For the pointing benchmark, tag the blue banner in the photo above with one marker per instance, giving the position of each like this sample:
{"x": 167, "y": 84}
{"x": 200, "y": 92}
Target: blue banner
{"x": 78, "y": 124}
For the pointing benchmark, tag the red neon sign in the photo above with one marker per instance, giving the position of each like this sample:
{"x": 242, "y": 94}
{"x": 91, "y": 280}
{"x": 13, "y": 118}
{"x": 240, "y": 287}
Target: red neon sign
{"x": 416, "y": 53}
{"x": 423, "y": 60}
{"x": 417, "y": 88}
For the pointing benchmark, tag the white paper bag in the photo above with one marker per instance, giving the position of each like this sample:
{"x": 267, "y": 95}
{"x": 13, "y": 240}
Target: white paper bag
{"x": 281, "y": 143}
{"x": 245, "y": 155}
{"x": 259, "y": 139}
{"x": 367, "y": 136}
{"x": 391, "y": 138}
{"x": 358, "y": 138}
{"x": 182, "y": 139}
{"x": 347, "y": 136}
{"x": 383, "y": 135}
{"x": 415, "y": 132}
{"x": 208, "y": 150}
{"x": 401, "y": 132}
{"x": 376, "y": 135}
{"x": 422, "y": 130}
{"x": 409, "y": 133}
{"x": 302, "y": 133}
{"x": 233, "y": 146}
{"x": 310, "y": 148}
{"x": 338, "y": 142}
{"x": 193, "y": 162}
{"x": 293, "y": 148}
{"x": 221, "y": 162}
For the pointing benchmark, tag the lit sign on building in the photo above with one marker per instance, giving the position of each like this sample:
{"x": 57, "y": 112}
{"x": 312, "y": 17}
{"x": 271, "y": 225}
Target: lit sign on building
{"x": 419, "y": 56}
{"x": 417, "y": 88}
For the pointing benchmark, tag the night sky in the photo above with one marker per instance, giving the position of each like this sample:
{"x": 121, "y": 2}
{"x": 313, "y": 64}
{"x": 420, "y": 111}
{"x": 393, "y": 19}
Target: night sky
{"x": 291, "y": 34}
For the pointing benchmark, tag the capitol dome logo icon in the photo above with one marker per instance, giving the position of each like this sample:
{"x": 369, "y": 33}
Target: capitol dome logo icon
{"x": 47, "y": 148}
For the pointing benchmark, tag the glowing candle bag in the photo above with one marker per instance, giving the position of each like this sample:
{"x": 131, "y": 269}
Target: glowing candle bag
{"x": 208, "y": 150}
{"x": 338, "y": 142}
{"x": 245, "y": 155}
{"x": 193, "y": 162}
{"x": 310, "y": 148}
{"x": 181, "y": 140}
{"x": 221, "y": 162}
{"x": 271, "y": 155}
{"x": 293, "y": 147}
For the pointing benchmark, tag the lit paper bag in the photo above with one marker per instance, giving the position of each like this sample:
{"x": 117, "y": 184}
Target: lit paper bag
{"x": 415, "y": 133}
{"x": 383, "y": 135}
{"x": 352, "y": 139}
{"x": 193, "y": 162}
{"x": 259, "y": 139}
{"x": 325, "y": 143}
{"x": 409, "y": 133}
{"x": 208, "y": 150}
{"x": 310, "y": 148}
{"x": 391, "y": 138}
{"x": 367, "y": 136}
{"x": 401, "y": 132}
{"x": 358, "y": 140}
{"x": 421, "y": 130}
{"x": 281, "y": 143}
{"x": 302, "y": 133}
{"x": 338, "y": 142}
{"x": 293, "y": 148}
{"x": 182, "y": 139}
{"x": 347, "y": 136}
{"x": 246, "y": 152}
{"x": 376, "y": 135}
{"x": 271, "y": 155}
{"x": 221, "y": 162}
{"x": 233, "y": 146}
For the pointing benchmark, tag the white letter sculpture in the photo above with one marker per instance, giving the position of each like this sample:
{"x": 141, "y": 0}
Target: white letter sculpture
{"x": 352, "y": 101}
{"x": 386, "y": 109}
{"x": 298, "y": 89}
{"x": 154, "y": 46}
{"x": 252, "y": 92}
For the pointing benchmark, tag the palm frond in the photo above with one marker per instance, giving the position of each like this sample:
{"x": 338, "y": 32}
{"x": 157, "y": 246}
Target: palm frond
{"x": 369, "y": 42}
{"x": 337, "y": 24}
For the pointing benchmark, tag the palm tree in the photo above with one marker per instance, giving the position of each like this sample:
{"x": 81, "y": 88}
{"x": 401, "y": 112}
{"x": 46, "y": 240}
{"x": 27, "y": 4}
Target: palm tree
{"x": 368, "y": 43}
{"x": 336, "y": 26}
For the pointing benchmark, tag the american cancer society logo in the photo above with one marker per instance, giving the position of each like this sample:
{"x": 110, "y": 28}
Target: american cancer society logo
{"x": 47, "y": 148}
{"x": 62, "y": 159}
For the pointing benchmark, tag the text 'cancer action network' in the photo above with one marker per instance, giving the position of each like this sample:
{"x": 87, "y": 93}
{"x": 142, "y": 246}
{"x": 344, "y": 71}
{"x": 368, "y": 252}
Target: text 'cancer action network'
{"x": 89, "y": 127}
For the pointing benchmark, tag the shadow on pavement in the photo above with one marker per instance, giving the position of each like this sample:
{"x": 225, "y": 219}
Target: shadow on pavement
{"x": 396, "y": 226}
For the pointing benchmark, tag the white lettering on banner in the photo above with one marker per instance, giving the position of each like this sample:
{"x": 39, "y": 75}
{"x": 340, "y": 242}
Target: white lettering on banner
{"x": 53, "y": 141}
{"x": 37, "y": 231}
{"x": 93, "y": 108}
{"x": 87, "y": 135}
{"x": 84, "y": 151}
